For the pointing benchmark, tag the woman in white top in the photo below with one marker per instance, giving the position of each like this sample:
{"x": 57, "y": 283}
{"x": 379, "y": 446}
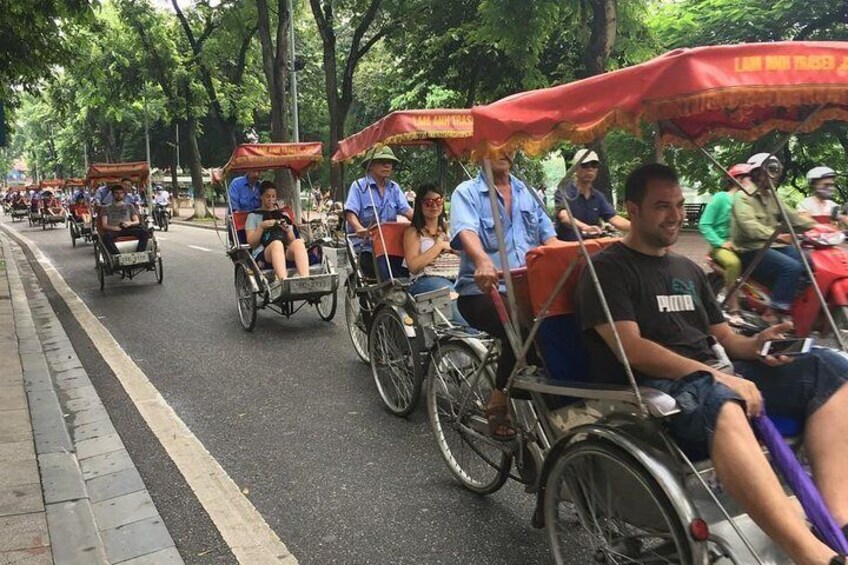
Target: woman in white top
{"x": 431, "y": 262}
{"x": 271, "y": 236}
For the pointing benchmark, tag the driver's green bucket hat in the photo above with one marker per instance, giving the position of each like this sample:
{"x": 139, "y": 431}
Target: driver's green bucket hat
{"x": 384, "y": 153}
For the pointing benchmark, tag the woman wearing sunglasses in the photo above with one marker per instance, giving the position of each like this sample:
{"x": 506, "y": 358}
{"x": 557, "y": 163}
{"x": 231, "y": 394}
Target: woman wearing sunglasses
{"x": 427, "y": 253}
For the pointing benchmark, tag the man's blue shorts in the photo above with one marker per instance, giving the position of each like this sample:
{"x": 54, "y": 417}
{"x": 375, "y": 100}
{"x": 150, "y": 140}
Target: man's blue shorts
{"x": 793, "y": 391}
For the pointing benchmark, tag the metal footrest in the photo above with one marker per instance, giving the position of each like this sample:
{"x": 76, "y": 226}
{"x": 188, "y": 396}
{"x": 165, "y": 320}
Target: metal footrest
{"x": 659, "y": 404}
{"x": 428, "y": 303}
{"x": 305, "y": 288}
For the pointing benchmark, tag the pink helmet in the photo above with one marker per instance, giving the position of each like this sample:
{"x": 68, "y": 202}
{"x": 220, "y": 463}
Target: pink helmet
{"x": 739, "y": 170}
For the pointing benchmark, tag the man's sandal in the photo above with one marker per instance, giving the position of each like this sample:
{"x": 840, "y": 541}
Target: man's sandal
{"x": 500, "y": 424}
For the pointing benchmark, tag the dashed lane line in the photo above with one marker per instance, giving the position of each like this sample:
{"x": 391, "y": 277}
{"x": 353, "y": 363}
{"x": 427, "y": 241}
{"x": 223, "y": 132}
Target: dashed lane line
{"x": 242, "y": 527}
{"x": 201, "y": 248}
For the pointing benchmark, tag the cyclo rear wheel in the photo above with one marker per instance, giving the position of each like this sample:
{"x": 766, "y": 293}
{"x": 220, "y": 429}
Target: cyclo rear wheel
{"x": 456, "y": 403}
{"x": 355, "y": 320}
{"x": 624, "y": 514}
{"x": 246, "y": 299}
{"x": 326, "y": 306}
{"x": 395, "y": 363}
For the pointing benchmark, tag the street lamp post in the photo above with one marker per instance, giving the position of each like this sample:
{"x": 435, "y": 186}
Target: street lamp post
{"x": 295, "y": 120}
{"x": 147, "y": 194}
{"x": 178, "y": 147}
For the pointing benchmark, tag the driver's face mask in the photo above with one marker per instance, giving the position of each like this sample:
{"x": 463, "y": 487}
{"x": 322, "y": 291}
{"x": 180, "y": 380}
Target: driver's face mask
{"x": 825, "y": 192}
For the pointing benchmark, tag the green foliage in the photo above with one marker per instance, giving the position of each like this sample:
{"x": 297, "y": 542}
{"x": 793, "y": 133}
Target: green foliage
{"x": 124, "y": 60}
{"x": 31, "y": 40}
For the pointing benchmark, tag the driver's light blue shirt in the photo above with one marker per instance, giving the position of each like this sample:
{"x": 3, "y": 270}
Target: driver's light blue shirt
{"x": 527, "y": 227}
{"x": 365, "y": 201}
{"x": 103, "y": 196}
{"x": 243, "y": 196}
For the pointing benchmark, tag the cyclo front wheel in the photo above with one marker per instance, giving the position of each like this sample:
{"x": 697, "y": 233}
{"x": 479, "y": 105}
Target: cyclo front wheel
{"x": 395, "y": 363}
{"x": 457, "y": 393}
{"x": 624, "y": 514}
{"x": 246, "y": 299}
{"x": 355, "y": 320}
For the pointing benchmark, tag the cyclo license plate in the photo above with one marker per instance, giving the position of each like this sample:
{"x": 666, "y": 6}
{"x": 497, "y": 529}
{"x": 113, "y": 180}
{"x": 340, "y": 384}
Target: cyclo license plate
{"x": 126, "y": 259}
{"x": 310, "y": 284}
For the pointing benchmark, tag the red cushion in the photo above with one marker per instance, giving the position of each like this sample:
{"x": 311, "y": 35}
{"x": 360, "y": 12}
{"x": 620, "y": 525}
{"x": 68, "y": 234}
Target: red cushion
{"x": 240, "y": 219}
{"x": 545, "y": 266}
{"x": 393, "y": 237}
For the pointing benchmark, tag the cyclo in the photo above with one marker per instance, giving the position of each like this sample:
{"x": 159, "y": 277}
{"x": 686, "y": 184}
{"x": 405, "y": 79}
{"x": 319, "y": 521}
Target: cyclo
{"x": 596, "y": 454}
{"x": 34, "y": 213}
{"x": 390, "y": 329}
{"x": 19, "y": 209}
{"x": 127, "y": 262}
{"x": 256, "y": 285}
{"x": 50, "y": 216}
{"x": 78, "y": 213}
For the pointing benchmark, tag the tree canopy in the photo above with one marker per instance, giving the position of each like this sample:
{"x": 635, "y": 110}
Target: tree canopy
{"x": 82, "y": 78}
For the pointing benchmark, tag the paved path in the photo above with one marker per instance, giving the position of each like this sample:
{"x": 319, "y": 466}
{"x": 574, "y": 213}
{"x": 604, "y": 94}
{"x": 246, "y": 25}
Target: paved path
{"x": 287, "y": 411}
{"x": 69, "y": 490}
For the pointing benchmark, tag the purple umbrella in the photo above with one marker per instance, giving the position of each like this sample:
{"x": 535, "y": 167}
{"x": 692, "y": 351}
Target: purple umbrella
{"x": 801, "y": 484}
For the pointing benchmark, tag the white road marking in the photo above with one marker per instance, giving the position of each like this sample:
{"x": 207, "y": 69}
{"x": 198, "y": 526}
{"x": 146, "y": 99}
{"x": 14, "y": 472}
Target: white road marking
{"x": 242, "y": 527}
{"x": 200, "y": 248}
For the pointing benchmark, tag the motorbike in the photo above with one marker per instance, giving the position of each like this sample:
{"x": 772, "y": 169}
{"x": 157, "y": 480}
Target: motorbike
{"x": 829, "y": 260}
{"x": 161, "y": 217}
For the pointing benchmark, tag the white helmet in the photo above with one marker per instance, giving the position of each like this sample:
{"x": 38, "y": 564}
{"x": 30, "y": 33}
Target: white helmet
{"x": 769, "y": 162}
{"x": 818, "y": 173}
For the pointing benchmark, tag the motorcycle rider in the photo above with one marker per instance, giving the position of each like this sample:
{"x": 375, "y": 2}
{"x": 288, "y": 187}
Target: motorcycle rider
{"x": 161, "y": 200}
{"x": 589, "y": 205}
{"x": 822, "y": 183}
{"x": 715, "y": 227}
{"x": 755, "y": 218}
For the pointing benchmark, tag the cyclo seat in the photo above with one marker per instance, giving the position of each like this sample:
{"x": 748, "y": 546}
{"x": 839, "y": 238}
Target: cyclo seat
{"x": 560, "y": 338}
{"x": 387, "y": 243}
{"x": 124, "y": 243}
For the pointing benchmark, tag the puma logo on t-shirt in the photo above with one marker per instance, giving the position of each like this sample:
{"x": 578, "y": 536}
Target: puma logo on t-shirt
{"x": 675, "y": 303}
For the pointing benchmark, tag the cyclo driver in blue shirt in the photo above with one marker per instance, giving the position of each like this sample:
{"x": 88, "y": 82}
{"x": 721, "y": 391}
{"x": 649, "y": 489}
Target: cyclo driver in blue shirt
{"x": 244, "y": 192}
{"x": 372, "y": 195}
{"x": 526, "y": 225}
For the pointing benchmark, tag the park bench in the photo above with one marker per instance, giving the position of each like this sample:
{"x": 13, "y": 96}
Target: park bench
{"x": 693, "y": 214}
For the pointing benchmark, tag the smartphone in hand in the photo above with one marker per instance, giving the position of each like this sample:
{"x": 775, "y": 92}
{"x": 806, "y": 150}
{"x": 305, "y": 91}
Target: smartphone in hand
{"x": 788, "y": 347}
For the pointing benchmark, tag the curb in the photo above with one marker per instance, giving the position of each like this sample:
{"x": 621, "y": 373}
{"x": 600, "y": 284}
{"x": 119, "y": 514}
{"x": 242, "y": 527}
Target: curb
{"x": 98, "y": 509}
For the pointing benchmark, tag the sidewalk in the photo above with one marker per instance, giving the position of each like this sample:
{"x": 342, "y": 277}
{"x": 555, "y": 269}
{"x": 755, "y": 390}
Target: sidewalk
{"x": 69, "y": 491}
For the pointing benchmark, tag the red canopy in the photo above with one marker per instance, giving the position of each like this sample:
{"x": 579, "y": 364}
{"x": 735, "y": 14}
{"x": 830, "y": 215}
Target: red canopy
{"x": 741, "y": 91}
{"x": 74, "y": 182}
{"x": 51, "y": 183}
{"x": 297, "y": 157}
{"x": 412, "y": 127}
{"x": 111, "y": 173}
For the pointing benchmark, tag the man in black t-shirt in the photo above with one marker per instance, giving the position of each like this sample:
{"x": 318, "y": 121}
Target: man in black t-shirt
{"x": 667, "y": 318}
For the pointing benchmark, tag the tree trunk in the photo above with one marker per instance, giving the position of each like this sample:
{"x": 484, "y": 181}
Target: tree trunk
{"x": 336, "y": 168}
{"x": 604, "y": 27}
{"x": 227, "y": 123}
{"x": 274, "y": 58}
{"x": 194, "y": 165}
{"x": 338, "y": 102}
